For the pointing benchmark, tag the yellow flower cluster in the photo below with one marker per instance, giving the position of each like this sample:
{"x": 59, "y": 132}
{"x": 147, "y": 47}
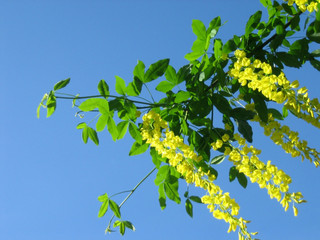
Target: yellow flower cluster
{"x": 303, "y": 5}
{"x": 180, "y": 156}
{"x": 268, "y": 176}
{"x": 286, "y": 138}
{"x": 258, "y": 75}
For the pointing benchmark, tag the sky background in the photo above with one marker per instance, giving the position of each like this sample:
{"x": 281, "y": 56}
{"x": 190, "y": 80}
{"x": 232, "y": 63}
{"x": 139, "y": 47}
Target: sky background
{"x": 50, "y": 180}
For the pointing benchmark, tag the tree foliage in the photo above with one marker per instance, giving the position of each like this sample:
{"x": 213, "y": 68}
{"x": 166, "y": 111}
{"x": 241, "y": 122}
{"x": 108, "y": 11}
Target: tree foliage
{"x": 239, "y": 82}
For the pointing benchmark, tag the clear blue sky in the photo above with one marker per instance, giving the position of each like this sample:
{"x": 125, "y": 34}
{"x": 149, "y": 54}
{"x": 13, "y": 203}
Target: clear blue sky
{"x": 50, "y": 180}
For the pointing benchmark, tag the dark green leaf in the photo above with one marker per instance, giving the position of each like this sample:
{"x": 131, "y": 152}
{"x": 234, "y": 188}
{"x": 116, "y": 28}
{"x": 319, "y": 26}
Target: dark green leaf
{"x": 134, "y": 87}
{"x": 156, "y": 70}
{"x": 316, "y": 53}
{"x": 61, "y": 84}
{"x": 233, "y": 173}
{"x": 189, "y": 208}
{"x": 129, "y": 225}
{"x": 221, "y": 103}
{"x": 316, "y": 64}
{"x": 103, "y": 88}
{"x": 275, "y": 113}
{"x": 242, "y": 113}
{"x": 245, "y": 129}
{"x": 195, "y": 199}
{"x": 261, "y": 107}
{"x": 289, "y": 59}
{"x": 242, "y": 179}
{"x": 120, "y": 86}
{"x": 218, "y": 159}
{"x": 122, "y": 128}
{"x": 171, "y": 190}
{"x": 135, "y": 133}
{"x": 229, "y": 46}
{"x": 164, "y": 86}
{"x": 156, "y": 158}
{"x": 162, "y": 196}
{"x": 138, "y": 148}
{"x": 115, "y": 208}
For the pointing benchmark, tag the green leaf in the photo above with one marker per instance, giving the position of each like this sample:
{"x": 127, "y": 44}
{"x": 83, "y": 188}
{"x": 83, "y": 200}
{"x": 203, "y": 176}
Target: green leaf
{"x": 115, "y": 208}
{"x": 217, "y": 48}
{"x": 229, "y": 46}
{"x": 138, "y": 148}
{"x": 261, "y": 107}
{"x": 134, "y": 87}
{"x": 51, "y": 104}
{"x": 162, "y": 196}
{"x": 242, "y": 113}
{"x": 245, "y": 129}
{"x": 276, "y": 114}
{"x": 156, "y": 70}
{"x": 182, "y": 96}
{"x": 289, "y": 59}
{"x": 112, "y": 128}
{"x": 316, "y": 64}
{"x": 221, "y": 103}
{"x": 285, "y": 112}
{"x": 104, "y": 208}
{"x": 253, "y": 22}
{"x": 193, "y": 55}
{"x": 44, "y": 98}
{"x": 103, "y": 198}
{"x": 102, "y": 122}
{"x": 164, "y": 86}
{"x": 61, "y": 84}
{"x": 233, "y": 173}
{"x": 162, "y": 174}
{"x": 171, "y": 190}
{"x": 189, "y": 208}
{"x": 171, "y": 75}
{"x": 120, "y": 86}
{"x": 138, "y": 71}
{"x": 199, "y": 29}
{"x": 93, "y": 135}
{"x": 103, "y": 88}
{"x": 129, "y": 225}
{"x": 85, "y": 134}
{"x": 122, "y": 128}
{"x": 195, "y": 199}
{"x": 218, "y": 159}
{"x": 81, "y": 125}
{"x": 156, "y": 158}
{"x": 93, "y": 103}
{"x": 198, "y": 46}
{"x": 122, "y": 228}
{"x": 135, "y": 133}
{"x": 316, "y": 53}
{"x": 242, "y": 179}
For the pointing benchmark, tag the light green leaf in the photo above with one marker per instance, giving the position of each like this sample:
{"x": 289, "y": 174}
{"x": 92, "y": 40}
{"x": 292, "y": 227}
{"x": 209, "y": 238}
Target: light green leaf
{"x": 162, "y": 174}
{"x": 102, "y": 122}
{"x": 93, "y": 103}
{"x": 122, "y": 128}
{"x": 171, "y": 75}
{"x": 112, "y": 128}
{"x": 138, "y": 71}
{"x": 156, "y": 70}
{"x": 217, "y": 48}
{"x": 171, "y": 190}
{"x": 115, "y": 208}
{"x": 138, "y": 148}
{"x": 199, "y": 29}
{"x": 162, "y": 196}
{"x": 81, "y": 125}
{"x": 44, "y": 98}
{"x": 51, "y": 104}
{"x": 103, "y": 198}
{"x": 85, "y": 134}
{"x": 164, "y": 86}
{"x": 193, "y": 55}
{"x": 104, "y": 208}
{"x": 135, "y": 133}
{"x": 182, "y": 96}
{"x": 120, "y": 86}
{"x": 93, "y": 135}
{"x": 134, "y": 87}
{"x": 61, "y": 84}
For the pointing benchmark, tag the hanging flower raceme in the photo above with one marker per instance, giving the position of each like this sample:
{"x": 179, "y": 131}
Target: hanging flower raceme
{"x": 268, "y": 176}
{"x": 258, "y": 76}
{"x": 289, "y": 140}
{"x": 181, "y": 156}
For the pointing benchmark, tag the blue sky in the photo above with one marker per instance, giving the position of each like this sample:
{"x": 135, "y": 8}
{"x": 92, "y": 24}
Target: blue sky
{"x": 50, "y": 180}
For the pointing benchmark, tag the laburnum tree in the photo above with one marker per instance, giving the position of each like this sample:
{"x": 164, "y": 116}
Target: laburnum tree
{"x": 239, "y": 81}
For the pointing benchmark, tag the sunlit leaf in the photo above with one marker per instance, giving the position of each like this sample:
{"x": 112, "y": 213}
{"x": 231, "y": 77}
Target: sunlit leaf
{"x": 61, "y": 84}
{"x": 115, "y": 208}
{"x": 120, "y": 86}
